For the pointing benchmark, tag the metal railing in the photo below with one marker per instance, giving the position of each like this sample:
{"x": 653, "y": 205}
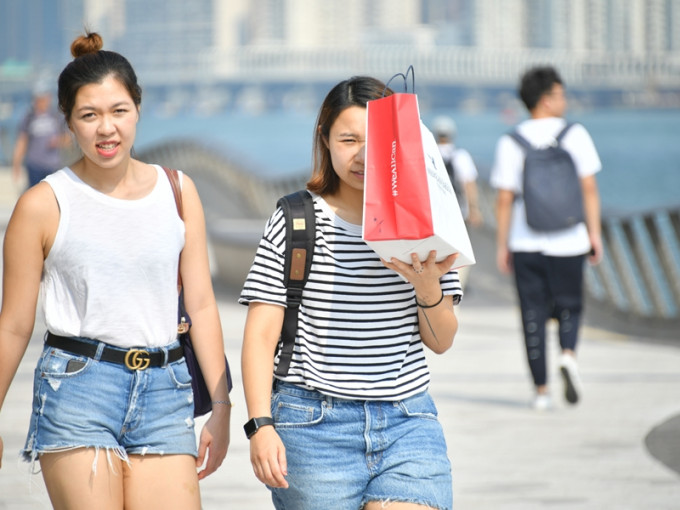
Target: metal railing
{"x": 639, "y": 275}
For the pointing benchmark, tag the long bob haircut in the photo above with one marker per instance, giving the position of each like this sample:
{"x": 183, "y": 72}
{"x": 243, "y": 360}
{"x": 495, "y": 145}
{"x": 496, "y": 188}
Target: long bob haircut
{"x": 356, "y": 91}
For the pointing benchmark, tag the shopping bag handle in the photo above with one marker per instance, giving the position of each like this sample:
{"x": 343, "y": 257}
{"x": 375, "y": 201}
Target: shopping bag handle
{"x": 405, "y": 77}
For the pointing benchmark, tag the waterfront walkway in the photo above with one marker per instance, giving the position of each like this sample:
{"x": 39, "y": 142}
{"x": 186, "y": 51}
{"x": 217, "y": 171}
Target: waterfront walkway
{"x": 505, "y": 456}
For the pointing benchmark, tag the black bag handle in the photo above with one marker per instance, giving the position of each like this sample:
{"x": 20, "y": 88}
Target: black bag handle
{"x": 410, "y": 71}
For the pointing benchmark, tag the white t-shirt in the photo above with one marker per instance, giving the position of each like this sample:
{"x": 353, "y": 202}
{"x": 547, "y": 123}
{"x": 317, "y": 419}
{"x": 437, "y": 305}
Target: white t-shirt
{"x": 464, "y": 171}
{"x": 507, "y": 175}
{"x": 464, "y": 167}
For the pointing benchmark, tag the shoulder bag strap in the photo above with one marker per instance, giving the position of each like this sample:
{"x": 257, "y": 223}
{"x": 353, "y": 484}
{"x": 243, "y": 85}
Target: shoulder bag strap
{"x": 173, "y": 177}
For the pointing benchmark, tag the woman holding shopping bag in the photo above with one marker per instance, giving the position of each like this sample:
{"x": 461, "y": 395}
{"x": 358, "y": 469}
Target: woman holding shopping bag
{"x": 351, "y": 424}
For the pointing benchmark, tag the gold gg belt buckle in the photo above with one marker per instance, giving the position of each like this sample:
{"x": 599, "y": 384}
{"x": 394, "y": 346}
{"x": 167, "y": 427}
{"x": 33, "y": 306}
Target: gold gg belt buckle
{"x": 137, "y": 359}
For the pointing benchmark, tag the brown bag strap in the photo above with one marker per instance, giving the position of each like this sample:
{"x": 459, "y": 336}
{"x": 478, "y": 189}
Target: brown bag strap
{"x": 173, "y": 177}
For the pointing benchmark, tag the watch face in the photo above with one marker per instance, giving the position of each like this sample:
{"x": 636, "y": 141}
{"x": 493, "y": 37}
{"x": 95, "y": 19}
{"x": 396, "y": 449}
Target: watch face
{"x": 250, "y": 428}
{"x": 254, "y": 424}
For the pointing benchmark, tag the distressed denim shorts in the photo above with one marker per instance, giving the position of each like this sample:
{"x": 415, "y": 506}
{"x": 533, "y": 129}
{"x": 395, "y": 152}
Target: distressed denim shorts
{"x": 343, "y": 454}
{"x": 80, "y": 402}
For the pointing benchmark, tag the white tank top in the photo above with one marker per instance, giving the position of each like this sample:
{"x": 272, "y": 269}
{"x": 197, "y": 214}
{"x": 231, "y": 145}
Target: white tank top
{"x": 111, "y": 274}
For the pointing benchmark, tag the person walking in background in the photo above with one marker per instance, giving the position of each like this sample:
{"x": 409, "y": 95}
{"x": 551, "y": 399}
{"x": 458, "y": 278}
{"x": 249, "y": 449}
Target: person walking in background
{"x": 112, "y": 423}
{"x": 351, "y": 425}
{"x": 548, "y": 265}
{"x": 463, "y": 174}
{"x": 460, "y": 167}
{"x": 41, "y": 136}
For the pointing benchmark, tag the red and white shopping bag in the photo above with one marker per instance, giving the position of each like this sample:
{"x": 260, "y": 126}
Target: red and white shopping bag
{"x": 409, "y": 202}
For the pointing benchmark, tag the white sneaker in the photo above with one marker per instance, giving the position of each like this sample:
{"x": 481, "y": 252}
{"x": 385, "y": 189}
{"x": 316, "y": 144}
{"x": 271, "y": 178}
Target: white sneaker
{"x": 572, "y": 381}
{"x": 542, "y": 402}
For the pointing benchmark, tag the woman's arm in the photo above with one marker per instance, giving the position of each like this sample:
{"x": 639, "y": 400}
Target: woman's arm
{"x": 18, "y": 155}
{"x": 260, "y": 338}
{"x": 206, "y": 329}
{"x": 28, "y": 238}
{"x": 436, "y": 318}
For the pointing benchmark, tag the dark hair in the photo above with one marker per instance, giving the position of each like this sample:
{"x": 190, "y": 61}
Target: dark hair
{"x": 535, "y": 83}
{"x": 91, "y": 64}
{"x": 357, "y": 91}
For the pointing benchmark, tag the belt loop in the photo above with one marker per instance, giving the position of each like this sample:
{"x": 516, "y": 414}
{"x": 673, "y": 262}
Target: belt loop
{"x": 166, "y": 356}
{"x": 100, "y": 350}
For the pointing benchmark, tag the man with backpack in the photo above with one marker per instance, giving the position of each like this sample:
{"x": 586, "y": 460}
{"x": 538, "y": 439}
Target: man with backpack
{"x": 548, "y": 221}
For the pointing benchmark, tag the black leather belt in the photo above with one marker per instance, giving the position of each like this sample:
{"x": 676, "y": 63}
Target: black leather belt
{"x": 134, "y": 359}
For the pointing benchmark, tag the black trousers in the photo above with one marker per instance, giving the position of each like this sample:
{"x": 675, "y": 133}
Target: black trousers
{"x": 548, "y": 287}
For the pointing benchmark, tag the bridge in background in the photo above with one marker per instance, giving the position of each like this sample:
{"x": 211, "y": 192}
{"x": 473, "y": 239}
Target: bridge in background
{"x": 450, "y": 65}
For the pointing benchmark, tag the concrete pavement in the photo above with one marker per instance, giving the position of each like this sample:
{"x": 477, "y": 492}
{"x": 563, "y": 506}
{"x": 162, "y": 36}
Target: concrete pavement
{"x": 505, "y": 456}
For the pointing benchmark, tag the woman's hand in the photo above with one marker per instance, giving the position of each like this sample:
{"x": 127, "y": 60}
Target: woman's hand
{"x": 214, "y": 440}
{"x": 424, "y": 276}
{"x": 268, "y": 457}
{"x": 436, "y": 318}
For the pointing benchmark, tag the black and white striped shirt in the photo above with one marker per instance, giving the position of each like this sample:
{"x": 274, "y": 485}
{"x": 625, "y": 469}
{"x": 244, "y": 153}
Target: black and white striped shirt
{"x": 357, "y": 335}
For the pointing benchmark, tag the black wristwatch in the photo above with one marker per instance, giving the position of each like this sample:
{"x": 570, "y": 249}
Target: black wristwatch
{"x": 254, "y": 425}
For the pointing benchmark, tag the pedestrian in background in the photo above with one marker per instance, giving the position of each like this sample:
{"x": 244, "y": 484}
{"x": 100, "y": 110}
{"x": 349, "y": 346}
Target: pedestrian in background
{"x": 463, "y": 174}
{"x": 351, "y": 425}
{"x": 41, "y": 136}
{"x": 112, "y": 423}
{"x": 460, "y": 167}
{"x": 547, "y": 265}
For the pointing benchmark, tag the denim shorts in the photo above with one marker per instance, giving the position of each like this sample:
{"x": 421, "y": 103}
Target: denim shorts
{"x": 343, "y": 454}
{"x": 80, "y": 402}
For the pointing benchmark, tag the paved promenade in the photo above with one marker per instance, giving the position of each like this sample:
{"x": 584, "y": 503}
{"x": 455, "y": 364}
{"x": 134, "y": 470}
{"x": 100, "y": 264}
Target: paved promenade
{"x": 593, "y": 456}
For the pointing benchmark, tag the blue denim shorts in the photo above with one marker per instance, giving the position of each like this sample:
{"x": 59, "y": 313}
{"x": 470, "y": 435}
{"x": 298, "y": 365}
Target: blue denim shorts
{"x": 80, "y": 402}
{"x": 343, "y": 454}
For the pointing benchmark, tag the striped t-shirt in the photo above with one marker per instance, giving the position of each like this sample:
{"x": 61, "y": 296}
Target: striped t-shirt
{"x": 357, "y": 335}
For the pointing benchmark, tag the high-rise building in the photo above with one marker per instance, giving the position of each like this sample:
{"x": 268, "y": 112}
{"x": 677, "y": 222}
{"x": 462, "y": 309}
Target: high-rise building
{"x": 35, "y": 34}
{"x": 178, "y": 41}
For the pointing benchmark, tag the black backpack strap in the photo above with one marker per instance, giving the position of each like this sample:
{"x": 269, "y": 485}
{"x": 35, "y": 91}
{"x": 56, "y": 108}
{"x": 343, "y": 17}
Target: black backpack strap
{"x": 527, "y": 146}
{"x": 520, "y": 140}
{"x": 298, "y": 211}
{"x": 559, "y": 137}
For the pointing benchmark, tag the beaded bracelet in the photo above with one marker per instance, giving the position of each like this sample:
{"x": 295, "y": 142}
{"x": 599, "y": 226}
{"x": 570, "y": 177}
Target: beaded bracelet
{"x": 431, "y": 306}
{"x": 225, "y": 402}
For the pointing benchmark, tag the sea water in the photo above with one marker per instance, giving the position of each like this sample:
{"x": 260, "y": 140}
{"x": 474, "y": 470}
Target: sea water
{"x": 639, "y": 149}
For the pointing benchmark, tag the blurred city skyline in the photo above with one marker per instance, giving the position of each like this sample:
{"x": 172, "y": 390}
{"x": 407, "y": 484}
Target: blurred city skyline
{"x": 625, "y": 47}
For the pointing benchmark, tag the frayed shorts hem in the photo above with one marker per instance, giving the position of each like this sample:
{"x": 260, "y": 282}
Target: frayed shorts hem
{"x": 31, "y": 456}
{"x": 387, "y": 501}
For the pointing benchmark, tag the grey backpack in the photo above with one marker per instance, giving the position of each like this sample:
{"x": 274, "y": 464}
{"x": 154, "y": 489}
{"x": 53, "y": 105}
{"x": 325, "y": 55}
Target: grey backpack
{"x": 551, "y": 188}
